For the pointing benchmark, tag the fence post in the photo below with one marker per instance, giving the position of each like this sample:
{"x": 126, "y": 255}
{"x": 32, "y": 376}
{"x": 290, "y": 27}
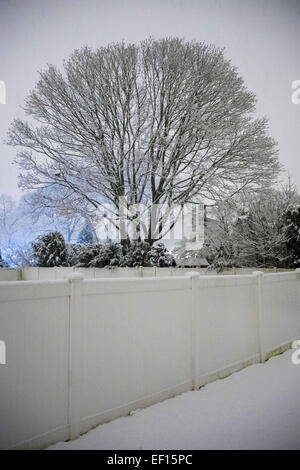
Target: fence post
{"x": 194, "y": 277}
{"x": 75, "y": 280}
{"x": 259, "y": 280}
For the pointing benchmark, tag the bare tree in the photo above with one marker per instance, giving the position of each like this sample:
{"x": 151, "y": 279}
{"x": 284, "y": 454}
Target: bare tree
{"x": 162, "y": 122}
{"x": 9, "y": 221}
{"x": 11, "y": 224}
{"x": 251, "y": 231}
{"x": 42, "y": 207}
{"x": 260, "y": 234}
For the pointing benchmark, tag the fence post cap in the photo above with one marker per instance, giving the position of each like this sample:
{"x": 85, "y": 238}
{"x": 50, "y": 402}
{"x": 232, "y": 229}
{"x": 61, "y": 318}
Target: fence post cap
{"x": 192, "y": 274}
{"x": 257, "y": 273}
{"x": 75, "y": 277}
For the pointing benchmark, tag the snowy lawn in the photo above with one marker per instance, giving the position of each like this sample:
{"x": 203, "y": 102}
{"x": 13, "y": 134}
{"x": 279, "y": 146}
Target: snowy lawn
{"x": 256, "y": 408}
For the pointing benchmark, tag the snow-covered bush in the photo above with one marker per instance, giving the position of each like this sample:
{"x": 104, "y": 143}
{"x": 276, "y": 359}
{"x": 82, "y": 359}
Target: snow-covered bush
{"x": 254, "y": 231}
{"x": 2, "y": 263}
{"x": 96, "y": 255}
{"x": 292, "y": 230}
{"x": 137, "y": 254}
{"x": 110, "y": 254}
{"x": 85, "y": 254}
{"x": 160, "y": 257}
{"x": 74, "y": 252}
{"x": 50, "y": 250}
{"x": 223, "y": 257}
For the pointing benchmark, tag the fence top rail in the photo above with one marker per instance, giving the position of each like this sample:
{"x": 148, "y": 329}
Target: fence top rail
{"x": 126, "y": 285}
{"x": 226, "y": 281}
{"x": 281, "y": 276}
{"x": 181, "y": 273}
{"x": 26, "y": 290}
{"x": 34, "y": 282}
{"x": 11, "y": 269}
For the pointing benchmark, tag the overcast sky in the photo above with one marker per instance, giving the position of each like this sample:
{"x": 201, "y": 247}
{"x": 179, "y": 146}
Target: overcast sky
{"x": 261, "y": 37}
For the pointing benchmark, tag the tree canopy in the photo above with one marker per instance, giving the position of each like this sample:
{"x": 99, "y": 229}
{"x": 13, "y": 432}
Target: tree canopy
{"x": 159, "y": 122}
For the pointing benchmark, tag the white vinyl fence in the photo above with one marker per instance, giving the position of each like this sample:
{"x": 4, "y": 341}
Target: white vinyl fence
{"x": 10, "y": 274}
{"x": 50, "y": 274}
{"x": 38, "y": 273}
{"x": 83, "y": 352}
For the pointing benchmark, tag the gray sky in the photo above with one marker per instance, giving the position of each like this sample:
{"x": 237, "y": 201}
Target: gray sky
{"x": 261, "y": 37}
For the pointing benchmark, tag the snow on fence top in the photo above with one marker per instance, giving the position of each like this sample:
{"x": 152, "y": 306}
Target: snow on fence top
{"x": 38, "y": 273}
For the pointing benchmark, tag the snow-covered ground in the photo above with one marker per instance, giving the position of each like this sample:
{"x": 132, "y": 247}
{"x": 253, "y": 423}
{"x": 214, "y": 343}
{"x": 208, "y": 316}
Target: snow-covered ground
{"x": 256, "y": 408}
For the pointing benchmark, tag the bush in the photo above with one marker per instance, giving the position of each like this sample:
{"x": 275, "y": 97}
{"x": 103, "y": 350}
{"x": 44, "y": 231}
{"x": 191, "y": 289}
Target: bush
{"x": 110, "y": 254}
{"x": 50, "y": 250}
{"x": 292, "y": 231}
{"x": 137, "y": 255}
{"x": 99, "y": 256}
{"x": 160, "y": 257}
{"x": 74, "y": 251}
{"x": 2, "y": 263}
{"x": 85, "y": 254}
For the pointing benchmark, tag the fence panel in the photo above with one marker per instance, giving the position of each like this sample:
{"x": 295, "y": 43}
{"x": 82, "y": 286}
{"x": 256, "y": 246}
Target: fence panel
{"x": 7, "y": 274}
{"x": 116, "y": 273}
{"x": 30, "y": 273}
{"x": 135, "y": 340}
{"x": 226, "y": 325}
{"x": 280, "y": 310}
{"x": 34, "y": 323}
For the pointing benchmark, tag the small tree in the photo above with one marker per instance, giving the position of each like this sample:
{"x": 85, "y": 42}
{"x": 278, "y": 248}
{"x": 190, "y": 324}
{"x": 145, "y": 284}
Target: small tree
{"x": 260, "y": 236}
{"x": 50, "y": 250}
{"x": 254, "y": 231}
{"x": 86, "y": 234}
